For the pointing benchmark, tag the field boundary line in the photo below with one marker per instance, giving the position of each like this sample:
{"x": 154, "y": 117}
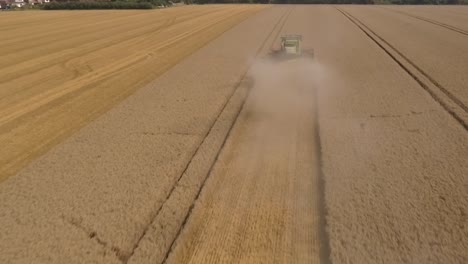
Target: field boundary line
{"x": 240, "y": 83}
{"x": 456, "y": 108}
{"x": 432, "y": 21}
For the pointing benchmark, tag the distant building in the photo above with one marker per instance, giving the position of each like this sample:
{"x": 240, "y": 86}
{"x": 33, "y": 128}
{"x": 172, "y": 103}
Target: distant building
{"x": 17, "y": 3}
{"x": 79, "y": 1}
{"x": 3, "y": 4}
{"x": 37, "y": 2}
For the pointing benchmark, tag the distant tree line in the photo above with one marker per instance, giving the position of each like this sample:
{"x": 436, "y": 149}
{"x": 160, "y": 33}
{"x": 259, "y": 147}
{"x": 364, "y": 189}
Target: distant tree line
{"x": 427, "y": 2}
{"x": 323, "y": 2}
{"x": 149, "y": 4}
{"x": 364, "y": 2}
{"x": 95, "y": 5}
{"x": 105, "y": 4}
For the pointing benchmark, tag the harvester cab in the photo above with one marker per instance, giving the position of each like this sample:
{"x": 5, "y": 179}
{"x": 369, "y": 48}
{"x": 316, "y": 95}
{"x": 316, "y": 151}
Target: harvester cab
{"x": 291, "y": 44}
{"x": 291, "y": 49}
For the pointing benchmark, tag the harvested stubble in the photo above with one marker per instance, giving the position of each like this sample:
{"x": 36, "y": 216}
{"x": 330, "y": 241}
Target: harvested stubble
{"x": 59, "y": 70}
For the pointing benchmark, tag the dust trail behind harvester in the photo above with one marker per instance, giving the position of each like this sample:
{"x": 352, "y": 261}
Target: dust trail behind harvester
{"x": 283, "y": 88}
{"x": 261, "y": 202}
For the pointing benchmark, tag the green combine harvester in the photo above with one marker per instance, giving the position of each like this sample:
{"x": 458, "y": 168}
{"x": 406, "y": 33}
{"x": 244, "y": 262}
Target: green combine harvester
{"x": 291, "y": 44}
{"x": 291, "y": 48}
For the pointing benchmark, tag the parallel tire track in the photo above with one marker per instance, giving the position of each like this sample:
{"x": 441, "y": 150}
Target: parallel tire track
{"x": 279, "y": 26}
{"x": 241, "y": 81}
{"x": 435, "y": 22}
{"x": 457, "y": 114}
{"x": 323, "y": 239}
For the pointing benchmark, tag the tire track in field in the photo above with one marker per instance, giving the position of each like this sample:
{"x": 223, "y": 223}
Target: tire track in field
{"x": 324, "y": 238}
{"x": 457, "y": 114}
{"x": 240, "y": 161}
{"x": 280, "y": 25}
{"x": 127, "y": 258}
{"x": 432, "y": 21}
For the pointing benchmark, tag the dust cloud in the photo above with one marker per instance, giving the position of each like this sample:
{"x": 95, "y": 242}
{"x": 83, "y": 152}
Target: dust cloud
{"x": 264, "y": 184}
{"x": 283, "y": 88}
{"x": 281, "y": 105}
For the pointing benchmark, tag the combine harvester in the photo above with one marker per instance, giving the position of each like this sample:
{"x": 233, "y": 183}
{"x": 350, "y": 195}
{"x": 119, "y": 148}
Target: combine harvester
{"x": 291, "y": 48}
{"x": 291, "y": 44}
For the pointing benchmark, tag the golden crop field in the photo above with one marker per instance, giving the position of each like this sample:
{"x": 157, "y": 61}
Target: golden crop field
{"x": 61, "y": 69}
{"x": 248, "y": 134}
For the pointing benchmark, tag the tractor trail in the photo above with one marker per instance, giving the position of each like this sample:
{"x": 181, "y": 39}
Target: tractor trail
{"x": 261, "y": 202}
